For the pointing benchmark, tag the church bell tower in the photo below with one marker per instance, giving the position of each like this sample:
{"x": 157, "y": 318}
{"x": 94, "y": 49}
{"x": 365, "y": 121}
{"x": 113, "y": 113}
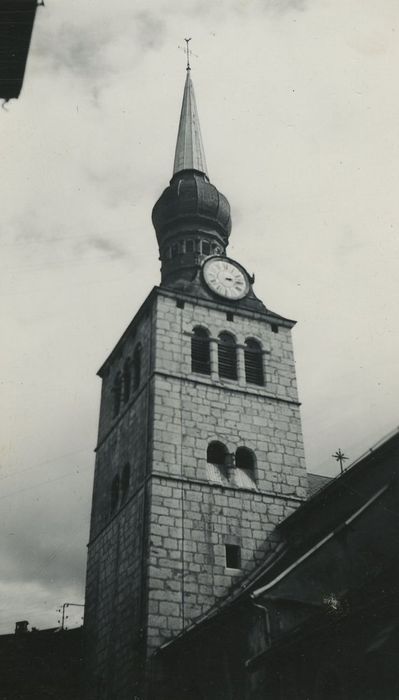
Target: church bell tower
{"x": 199, "y": 451}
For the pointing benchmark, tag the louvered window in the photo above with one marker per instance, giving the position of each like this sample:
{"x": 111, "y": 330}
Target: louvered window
{"x": 253, "y": 362}
{"x": 200, "y": 351}
{"x": 137, "y": 367}
{"x": 227, "y": 356}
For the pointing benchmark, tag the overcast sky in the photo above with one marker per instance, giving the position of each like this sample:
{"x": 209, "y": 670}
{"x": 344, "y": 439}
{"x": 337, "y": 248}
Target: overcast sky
{"x": 299, "y": 108}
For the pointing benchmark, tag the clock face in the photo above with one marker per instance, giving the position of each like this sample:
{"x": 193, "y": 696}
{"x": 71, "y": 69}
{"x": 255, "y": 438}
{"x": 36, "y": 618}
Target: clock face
{"x": 225, "y": 278}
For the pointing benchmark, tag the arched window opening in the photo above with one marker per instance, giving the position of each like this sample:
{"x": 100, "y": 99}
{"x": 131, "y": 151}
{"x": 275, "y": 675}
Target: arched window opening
{"x": 117, "y": 393}
{"x": 217, "y": 453}
{"x": 127, "y": 379}
{"x": 125, "y": 481}
{"x": 217, "y": 458}
{"x": 114, "y": 493}
{"x": 227, "y": 356}
{"x": 253, "y": 362}
{"x": 137, "y": 367}
{"x": 245, "y": 468}
{"x": 200, "y": 351}
{"x": 245, "y": 459}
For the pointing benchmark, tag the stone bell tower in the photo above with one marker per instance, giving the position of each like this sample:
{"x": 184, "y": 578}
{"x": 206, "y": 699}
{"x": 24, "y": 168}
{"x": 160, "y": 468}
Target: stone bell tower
{"x": 199, "y": 450}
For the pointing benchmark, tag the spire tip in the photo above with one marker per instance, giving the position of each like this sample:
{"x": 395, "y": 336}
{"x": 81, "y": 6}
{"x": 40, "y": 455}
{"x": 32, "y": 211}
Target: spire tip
{"x": 188, "y": 67}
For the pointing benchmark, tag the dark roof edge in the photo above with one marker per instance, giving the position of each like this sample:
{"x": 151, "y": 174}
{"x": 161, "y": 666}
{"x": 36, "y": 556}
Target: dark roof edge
{"x": 385, "y": 443}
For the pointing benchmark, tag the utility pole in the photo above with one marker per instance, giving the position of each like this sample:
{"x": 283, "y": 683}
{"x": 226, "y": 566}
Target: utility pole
{"x": 62, "y": 611}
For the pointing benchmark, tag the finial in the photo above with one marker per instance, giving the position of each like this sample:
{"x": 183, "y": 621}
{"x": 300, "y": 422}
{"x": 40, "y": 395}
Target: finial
{"x": 188, "y": 53}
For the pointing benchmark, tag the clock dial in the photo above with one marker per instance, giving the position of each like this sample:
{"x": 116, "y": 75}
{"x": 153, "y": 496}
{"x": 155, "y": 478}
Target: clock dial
{"x": 225, "y": 278}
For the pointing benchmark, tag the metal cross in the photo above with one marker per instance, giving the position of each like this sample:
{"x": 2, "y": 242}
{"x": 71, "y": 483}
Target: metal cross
{"x": 188, "y": 53}
{"x": 340, "y": 457}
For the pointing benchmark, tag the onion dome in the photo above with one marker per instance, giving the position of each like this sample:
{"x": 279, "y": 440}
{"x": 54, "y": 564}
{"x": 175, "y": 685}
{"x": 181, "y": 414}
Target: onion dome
{"x": 191, "y": 204}
{"x": 191, "y": 218}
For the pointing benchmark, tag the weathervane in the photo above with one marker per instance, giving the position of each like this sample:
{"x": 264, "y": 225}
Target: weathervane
{"x": 340, "y": 457}
{"x": 188, "y": 52}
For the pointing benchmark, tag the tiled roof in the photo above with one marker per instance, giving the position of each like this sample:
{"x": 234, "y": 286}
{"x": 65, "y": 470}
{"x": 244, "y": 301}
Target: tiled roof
{"x": 316, "y": 482}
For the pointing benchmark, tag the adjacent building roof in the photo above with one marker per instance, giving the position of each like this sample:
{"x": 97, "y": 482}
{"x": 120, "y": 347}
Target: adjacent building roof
{"x": 316, "y": 482}
{"x": 308, "y": 558}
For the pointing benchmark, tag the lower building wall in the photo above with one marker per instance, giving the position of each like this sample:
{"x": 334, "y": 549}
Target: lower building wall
{"x": 114, "y": 637}
{"x": 191, "y": 524}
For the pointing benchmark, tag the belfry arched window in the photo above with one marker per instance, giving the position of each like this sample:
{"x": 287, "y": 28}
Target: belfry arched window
{"x": 253, "y": 362}
{"x": 200, "y": 351}
{"x": 217, "y": 458}
{"x": 217, "y": 453}
{"x": 137, "y": 367}
{"x": 227, "y": 356}
{"x": 117, "y": 394}
{"x": 245, "y": 476}
{"x": 114, "y": 493}
{"x": 127, "y": 380}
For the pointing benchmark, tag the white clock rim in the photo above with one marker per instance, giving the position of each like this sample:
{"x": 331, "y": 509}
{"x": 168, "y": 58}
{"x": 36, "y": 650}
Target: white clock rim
{"x": 237, "y": 266}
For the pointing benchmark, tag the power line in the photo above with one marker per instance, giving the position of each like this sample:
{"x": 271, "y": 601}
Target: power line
{"x": 43, "y": 483}
{"x": 46, "y": 461}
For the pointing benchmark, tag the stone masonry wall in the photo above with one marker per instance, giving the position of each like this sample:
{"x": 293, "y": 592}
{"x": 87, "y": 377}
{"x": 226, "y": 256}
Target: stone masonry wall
{"x": 193, "y": 518}
{"x": 117, "y": 552}
{"x": 113, "y": 618}
{"x": 157, "y": 561}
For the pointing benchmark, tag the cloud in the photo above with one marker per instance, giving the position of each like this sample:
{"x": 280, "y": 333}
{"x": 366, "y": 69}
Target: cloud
{"x": 76, "y": 49}
{"x": 150, "y": 29}
{"x": 105, "y": 245}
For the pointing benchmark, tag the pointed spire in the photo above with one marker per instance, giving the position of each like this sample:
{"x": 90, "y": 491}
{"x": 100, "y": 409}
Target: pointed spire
{"x": 189, "y": 153}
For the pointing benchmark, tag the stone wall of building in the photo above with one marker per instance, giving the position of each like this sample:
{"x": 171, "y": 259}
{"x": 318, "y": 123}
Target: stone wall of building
{"x": 157, "y": 558}
{"x": 192, "y": 516}
{"x": 117, "y": 552}
{"x": 114, "y": 604}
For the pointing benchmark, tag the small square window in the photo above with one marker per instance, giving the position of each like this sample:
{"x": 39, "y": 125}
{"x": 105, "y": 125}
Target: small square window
{"x": 274, "y": 327}
{"x": 180, "y": 304}
{"x": 233, "y": 556}
{"x": 229, "y": 316}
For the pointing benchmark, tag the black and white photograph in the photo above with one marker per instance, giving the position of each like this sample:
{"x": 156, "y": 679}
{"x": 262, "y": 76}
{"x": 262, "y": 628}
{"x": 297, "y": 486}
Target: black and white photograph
{"x": 199, "y": 443}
